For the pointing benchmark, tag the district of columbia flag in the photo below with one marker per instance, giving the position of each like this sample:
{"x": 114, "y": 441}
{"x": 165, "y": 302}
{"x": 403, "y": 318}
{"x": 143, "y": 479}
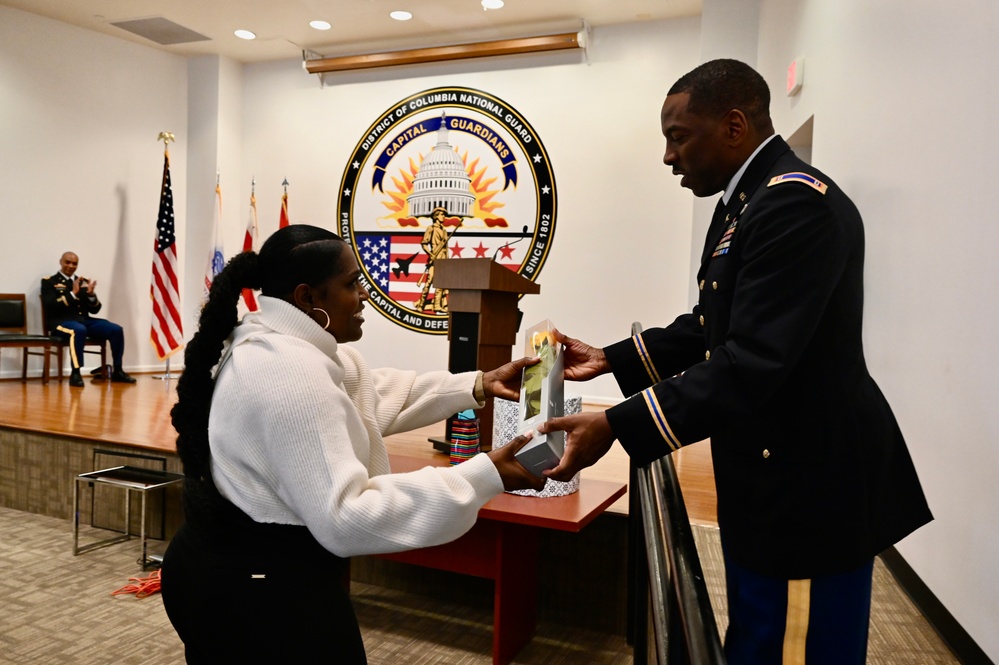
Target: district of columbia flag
{"x": 249, "y": 242}
{"x": 284, "y": 211}
{"x": 216, "y": 259}
{"x": 166, "y": 333}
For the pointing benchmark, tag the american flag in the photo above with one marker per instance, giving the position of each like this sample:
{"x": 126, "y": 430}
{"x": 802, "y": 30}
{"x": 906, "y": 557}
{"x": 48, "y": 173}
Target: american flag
{"x": 381, "y": 253}
{"x": 249, "y": 240}
{"x": 396, "y": 261}
{"x": 166, "y": 333}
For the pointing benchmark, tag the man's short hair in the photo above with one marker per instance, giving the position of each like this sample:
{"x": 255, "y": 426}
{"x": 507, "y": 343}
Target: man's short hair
{"x": 718, "y": 86}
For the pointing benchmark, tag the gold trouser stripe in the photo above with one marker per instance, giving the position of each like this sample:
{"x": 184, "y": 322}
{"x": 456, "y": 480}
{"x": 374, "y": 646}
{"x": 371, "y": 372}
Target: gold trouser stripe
{"x": 72, "y": 346}
{"x": 796, "y": 625}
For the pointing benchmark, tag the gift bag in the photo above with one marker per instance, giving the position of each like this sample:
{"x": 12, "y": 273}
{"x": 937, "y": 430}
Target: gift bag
{"x": 464, "y": 437}
{"x": 506, "y": 419}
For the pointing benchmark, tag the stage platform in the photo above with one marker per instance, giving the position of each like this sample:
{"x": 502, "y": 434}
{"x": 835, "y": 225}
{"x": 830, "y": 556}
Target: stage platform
{"x": 50, "y": 433}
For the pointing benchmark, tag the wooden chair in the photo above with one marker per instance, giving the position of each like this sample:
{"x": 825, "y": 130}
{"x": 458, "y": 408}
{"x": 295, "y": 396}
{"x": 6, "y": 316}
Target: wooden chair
{"x": 14, "y": 333}
{"x": 60, "y": 344}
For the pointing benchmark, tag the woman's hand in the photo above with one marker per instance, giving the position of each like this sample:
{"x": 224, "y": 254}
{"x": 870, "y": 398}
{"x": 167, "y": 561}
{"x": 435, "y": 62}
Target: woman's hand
{"x": 505, "y": 381}
{"x": 513, "y": 473}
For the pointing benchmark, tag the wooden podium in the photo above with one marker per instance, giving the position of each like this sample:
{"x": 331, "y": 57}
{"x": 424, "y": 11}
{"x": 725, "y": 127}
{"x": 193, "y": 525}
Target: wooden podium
{"x": 482, "y": 323}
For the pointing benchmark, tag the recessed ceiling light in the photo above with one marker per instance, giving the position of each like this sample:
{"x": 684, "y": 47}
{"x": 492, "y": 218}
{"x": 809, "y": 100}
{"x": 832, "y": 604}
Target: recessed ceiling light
{"x": 245, "y": 34}
{"x": 401, "y": 16}
{"x": 492, "y": 4}
{"x": 320, "y": 25}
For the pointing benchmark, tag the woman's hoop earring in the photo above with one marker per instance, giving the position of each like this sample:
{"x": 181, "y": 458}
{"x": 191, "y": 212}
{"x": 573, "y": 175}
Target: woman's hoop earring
{"x": 317, "y": 309}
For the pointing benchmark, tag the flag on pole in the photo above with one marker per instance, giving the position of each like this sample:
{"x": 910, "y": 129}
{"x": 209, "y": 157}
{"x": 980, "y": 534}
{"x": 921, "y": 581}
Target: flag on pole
{"x": 216, "y": 260}
{"x": 166, "y": 333}
{"x": 249, "y": 240}
{"x": 284, "y": 207}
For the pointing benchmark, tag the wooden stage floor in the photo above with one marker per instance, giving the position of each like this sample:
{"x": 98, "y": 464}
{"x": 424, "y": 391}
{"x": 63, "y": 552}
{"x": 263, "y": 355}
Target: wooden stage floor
{"x": 139, "y": 416}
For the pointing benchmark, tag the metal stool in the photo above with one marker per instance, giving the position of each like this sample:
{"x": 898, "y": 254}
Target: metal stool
{"x": 131, "y": 479}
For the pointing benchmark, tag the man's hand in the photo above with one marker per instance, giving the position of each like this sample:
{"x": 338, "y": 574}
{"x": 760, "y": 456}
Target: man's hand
{"x": 588, "y": 437}
{"x": 91, "y": 285}
{"x": 582, "y": 362}
{"x": 513, "y": 473}
{"x": 505, "y": 381}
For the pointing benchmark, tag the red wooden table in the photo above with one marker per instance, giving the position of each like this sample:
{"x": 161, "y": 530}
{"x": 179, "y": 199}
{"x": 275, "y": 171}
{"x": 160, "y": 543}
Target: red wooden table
{"x": 503, "y": 547}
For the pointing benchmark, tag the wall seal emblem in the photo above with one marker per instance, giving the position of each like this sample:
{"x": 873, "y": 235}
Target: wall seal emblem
{"x": 444, "y": 174}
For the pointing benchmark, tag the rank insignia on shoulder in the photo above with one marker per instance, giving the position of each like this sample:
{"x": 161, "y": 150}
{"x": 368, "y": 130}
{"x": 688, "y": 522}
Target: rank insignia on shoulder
{"x": 803, "y": 178}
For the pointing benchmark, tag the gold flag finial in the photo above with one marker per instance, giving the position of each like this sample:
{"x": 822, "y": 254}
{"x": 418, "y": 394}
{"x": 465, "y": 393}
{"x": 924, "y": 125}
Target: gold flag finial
{"x": 166, "y": 137}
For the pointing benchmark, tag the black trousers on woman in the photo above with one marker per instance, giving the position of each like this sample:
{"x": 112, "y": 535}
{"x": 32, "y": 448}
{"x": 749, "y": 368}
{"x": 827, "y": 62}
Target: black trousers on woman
{"x": 241, "y": 592}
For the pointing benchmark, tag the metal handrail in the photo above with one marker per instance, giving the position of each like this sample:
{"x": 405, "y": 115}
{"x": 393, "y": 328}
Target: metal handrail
{"x": 683, "y": 621}
{"x": 681, "y": 607}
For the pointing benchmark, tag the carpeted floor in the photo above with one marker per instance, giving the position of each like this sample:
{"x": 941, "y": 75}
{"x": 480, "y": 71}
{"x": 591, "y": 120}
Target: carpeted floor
{"x": 57, "y": 608}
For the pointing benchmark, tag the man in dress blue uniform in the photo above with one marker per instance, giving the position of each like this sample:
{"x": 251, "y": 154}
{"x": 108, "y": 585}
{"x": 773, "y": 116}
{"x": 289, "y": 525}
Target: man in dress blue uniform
{"x": 69, "y": 301}
{"x": 812, "y": 473}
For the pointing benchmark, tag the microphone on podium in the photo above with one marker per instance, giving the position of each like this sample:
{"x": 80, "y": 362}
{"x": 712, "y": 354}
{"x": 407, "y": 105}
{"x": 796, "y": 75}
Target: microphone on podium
{"x": 502, "y": 247}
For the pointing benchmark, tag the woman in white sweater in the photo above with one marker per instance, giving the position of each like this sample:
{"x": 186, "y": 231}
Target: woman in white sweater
{"x": 286, "y": 474}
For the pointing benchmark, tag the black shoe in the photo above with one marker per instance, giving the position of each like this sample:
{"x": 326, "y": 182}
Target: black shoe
{"x": 119, "y": 376}
{"x": 75, "y": 380}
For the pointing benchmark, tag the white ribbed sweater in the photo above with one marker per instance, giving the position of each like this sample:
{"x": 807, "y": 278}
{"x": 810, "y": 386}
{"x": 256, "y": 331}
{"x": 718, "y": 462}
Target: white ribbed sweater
{"x": 296, "y": 433}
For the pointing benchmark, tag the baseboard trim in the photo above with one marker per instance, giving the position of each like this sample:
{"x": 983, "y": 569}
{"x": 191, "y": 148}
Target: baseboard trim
{"x": 956, "y": 637}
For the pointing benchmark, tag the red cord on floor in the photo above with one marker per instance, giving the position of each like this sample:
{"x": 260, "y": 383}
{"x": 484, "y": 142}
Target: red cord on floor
{"x": 142, "y": 587}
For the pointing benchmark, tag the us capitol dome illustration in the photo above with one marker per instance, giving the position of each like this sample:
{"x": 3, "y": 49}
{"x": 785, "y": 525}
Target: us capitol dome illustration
{"x": 441, "y": 181}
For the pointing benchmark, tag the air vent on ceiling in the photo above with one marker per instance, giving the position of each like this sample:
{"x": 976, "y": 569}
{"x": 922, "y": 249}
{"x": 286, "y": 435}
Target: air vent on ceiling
{"x": 162, "y": 31}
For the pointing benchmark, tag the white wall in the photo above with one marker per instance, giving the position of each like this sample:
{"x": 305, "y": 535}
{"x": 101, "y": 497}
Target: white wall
{"x": 215, "y": 90}
{"x": 902, "y": 94}
{"x": 80, "y": 165}
{"x": 621, "y": 245}
{"x": 85, "y": 110}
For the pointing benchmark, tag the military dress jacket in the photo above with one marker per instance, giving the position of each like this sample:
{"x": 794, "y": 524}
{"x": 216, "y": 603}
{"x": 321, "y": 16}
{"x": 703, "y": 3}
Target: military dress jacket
{"x": 59, "y": 303}
{"x": 813, "y": 476}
